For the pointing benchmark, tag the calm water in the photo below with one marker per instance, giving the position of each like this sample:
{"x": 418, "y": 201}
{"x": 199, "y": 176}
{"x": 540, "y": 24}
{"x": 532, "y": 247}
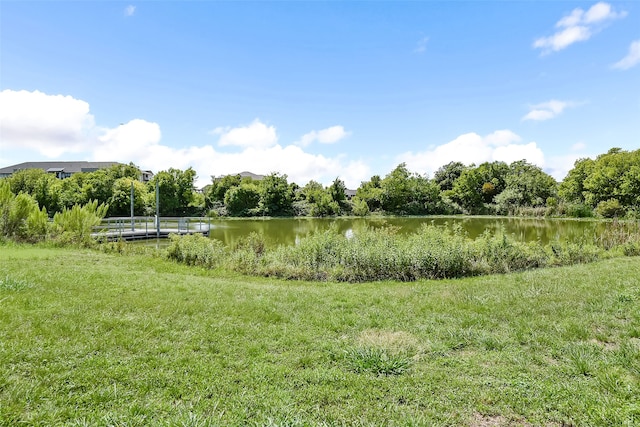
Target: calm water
{"x": 288, "y": 230}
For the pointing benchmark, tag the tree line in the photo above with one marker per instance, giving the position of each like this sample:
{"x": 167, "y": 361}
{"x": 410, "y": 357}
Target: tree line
{"x": 608, "y": 186}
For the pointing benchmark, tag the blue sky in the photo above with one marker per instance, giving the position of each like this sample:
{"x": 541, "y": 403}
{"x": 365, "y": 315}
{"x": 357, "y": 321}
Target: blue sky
{"x": 318, "y": 90}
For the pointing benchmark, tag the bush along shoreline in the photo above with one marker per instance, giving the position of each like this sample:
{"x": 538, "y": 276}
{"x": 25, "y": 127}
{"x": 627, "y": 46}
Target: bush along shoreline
{"x": 382, "y": 254}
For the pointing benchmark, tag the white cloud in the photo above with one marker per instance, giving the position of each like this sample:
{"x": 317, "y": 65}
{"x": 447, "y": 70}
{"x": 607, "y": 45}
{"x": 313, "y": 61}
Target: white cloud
{"x": 547, "y": 110}
{"x": 257, "y": 134}
{"x": 578, "y": 146}
{"x": 54, "y": 125}
{"x": 578, "y": 26}
{"x": 48, "y": 124}
{"x": 632, "y": 58}
{"x": 422, "y": 45}
{"x": 329, "y": 135}
{"x": 129, "y": 10}
{"x": 471, "y": 148}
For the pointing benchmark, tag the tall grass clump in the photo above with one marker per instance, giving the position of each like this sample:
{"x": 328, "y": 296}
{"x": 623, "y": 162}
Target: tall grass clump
{"x": 20, "y": 217}
{"x": 195, "y": 249}
{"x": 437, "y": 253}
{"x": 246, "y": 255}
{"x": 498, "y": 253}
{"x": 76, "y": 224}
{"x": 368, "y": 255}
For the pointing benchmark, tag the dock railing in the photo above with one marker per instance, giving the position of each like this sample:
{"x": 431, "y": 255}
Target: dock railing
{"x": 149, "y": 227}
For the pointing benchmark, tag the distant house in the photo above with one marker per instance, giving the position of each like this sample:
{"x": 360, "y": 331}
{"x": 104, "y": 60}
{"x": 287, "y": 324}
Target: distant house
{"x": 146, "y": 176}
{"x": 251, "y": 175}
{"x": 64, "y": 170}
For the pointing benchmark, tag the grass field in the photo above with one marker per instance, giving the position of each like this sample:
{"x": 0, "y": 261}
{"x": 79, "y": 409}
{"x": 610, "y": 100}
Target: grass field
{"x": 88, "y": 338}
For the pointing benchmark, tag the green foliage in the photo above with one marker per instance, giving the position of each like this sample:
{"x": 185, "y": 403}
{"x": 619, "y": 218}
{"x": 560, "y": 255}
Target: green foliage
{"x": 195, "y": 250}
{"x": 572, "y": 187}
{"x": 276, "y": 197}
{"x": 44, "y": 187}
{"x": 447, "y": 175}
{"x": 20, "y": 217}
{"x": 371, "y": 192}
{"x": 532, "y": 183}
{"x": 337, "y": 192}
{"x": 76, "y": 224}
{"x": 219, "y": 187}
{"x": 176, "y": 190}
{"x": 577, "y": 210}
{"x": 320, "y": 201}
{"x": 247, "y": 253}
{"x": 242, "y": 200}
{"x": 406, "y": 193}
{"x": 610, "y": 209}
{"x": 497, "y": 253}
{"x": 359, "y": 207}
{"x": 120, "y": 201}
{"x": 479, "y": 185}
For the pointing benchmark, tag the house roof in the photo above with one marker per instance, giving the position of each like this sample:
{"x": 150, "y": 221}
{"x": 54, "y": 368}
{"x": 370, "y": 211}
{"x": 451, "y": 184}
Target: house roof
{"x": 68, "y": 167}
{"x": 251, "y": 175}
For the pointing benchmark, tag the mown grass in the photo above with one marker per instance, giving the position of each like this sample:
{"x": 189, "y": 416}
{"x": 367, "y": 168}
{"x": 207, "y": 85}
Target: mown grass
{"x": 96, "y": 339}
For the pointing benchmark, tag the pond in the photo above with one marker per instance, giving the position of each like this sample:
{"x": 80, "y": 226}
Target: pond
{"x": 287, "y": 231}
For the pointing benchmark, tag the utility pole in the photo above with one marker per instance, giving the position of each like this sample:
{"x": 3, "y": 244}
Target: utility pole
{"x": 133, "y": 227}
{"x": 157, "y": 209}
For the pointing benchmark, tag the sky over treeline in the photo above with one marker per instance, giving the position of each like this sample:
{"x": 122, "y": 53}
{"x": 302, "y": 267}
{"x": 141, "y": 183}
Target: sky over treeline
{"x": 318, "y": 90}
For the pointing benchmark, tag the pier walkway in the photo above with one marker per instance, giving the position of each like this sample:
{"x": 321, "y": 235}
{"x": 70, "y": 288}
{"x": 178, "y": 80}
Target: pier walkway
{"x": 147, "y": 227}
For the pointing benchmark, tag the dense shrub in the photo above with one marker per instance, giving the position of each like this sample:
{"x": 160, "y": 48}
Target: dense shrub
{"x": 576, "y": 210}
{"x": 196, "y": 249}
{"x": 497, "y": 253}
{"x": 76, "y": 224}
{"x": 610, "y": 209}
{"x": 20, "y": 216}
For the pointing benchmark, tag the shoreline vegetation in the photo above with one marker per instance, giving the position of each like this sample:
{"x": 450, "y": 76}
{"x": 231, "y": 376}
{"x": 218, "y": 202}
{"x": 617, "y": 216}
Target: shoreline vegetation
{"x": 94, "y": 338}
{"x": 382, "y": 254}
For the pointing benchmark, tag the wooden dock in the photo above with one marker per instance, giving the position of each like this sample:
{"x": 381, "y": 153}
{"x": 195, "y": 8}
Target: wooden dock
{"x": 146, "y": 228}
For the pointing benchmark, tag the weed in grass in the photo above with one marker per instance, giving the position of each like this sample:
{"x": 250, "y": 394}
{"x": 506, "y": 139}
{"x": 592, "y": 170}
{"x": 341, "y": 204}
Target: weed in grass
{"x": 583, "y": 358}
{"x": 8, "y": 283}
{"x": 377, "y": 361}
{"x": 394, "y": 342}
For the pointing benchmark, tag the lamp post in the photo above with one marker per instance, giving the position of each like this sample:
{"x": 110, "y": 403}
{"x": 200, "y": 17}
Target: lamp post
{"x": 157, "y": 209}
{"x": 132, "y": 220}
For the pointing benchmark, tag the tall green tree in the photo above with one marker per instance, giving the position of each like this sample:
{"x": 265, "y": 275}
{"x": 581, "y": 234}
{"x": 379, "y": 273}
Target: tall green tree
{"x": 338, "y": 192}
{"x": 176, "y": 190}
{"x": 447, "y": 175}
{"x": 276, "y": 197}
{"x": 371, "y": 193}
{"x": 219, "y": 187}
{"x": 406, "y": 193}
{"x": 45, "y": 188}
{"x": 120, "y": 202}
{"x": 242, "y": 200}
{"x": 533, "y": 184}
{"x": 479, "y": 185}
{"x": 572, "y": 189}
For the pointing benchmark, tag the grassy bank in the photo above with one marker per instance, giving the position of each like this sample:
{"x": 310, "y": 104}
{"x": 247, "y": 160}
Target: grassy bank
{"x": 94, "y": 339}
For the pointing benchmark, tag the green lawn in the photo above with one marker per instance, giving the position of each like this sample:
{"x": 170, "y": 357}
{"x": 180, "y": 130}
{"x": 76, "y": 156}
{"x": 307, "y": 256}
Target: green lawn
{"x": 93, "y": 339}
